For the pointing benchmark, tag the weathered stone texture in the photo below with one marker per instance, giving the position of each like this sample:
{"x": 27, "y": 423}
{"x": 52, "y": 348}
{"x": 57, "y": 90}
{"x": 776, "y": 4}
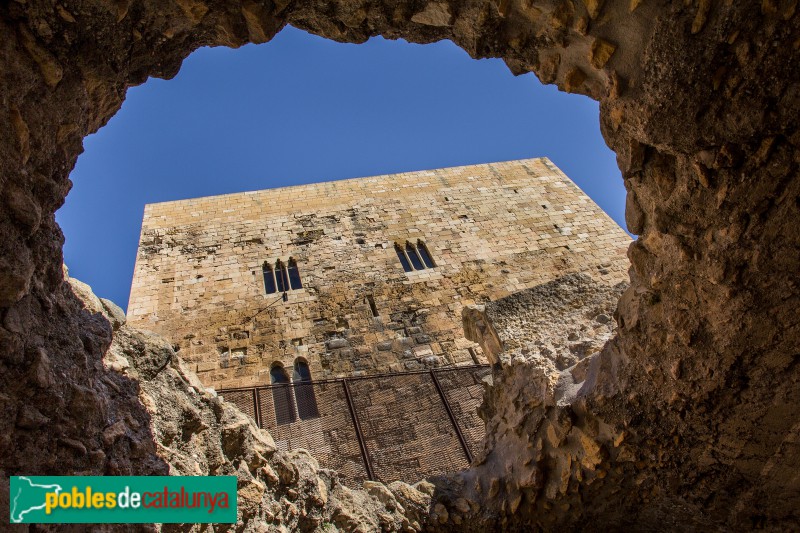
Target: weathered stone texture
{"x": 491, "y": 229}
{"x": 561, "y": 322}
{"x": 197, "y": 433}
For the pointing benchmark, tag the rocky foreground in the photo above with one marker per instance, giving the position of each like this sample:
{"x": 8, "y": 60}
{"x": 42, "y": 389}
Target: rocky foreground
{"x": 196, "y": 433}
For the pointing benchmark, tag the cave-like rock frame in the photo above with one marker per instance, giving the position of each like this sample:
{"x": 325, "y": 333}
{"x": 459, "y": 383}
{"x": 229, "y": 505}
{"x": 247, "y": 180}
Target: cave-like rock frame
{"x": 700, "y": 100}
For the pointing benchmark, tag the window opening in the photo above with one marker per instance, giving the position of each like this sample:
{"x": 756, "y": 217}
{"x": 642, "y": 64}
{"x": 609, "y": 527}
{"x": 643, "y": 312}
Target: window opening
{"x": 414, "y": 256}
{"x": 269, "y": 279}
{"x": 403, "y": 258}
{"x": 371, "y": 302}
{"x": 426, "y": 257}
{"x": 282, "y": 396}
{"x": 282, "y": 278}
{"x": 411, "y": 251}
{"x": 304, "y": 391}
{"x": 294, "y": 275}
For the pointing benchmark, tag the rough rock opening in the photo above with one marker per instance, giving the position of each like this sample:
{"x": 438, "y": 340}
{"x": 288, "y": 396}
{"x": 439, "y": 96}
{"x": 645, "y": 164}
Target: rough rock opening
{"x": 691, "y": 415}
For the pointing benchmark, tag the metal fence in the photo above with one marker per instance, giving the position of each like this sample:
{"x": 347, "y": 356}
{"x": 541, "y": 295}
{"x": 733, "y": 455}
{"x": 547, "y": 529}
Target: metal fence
{"x": 386, "y": 427}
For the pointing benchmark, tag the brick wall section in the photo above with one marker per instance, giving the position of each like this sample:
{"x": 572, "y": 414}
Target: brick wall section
{"x": 492, "y": 230}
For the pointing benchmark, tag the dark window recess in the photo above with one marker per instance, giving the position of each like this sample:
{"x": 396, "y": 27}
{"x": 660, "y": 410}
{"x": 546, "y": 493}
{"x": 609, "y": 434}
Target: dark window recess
{"x": 304, "y": 392}
{"x": 269, "y": 279}
{"x": 416, "y": 262}
{"x": 282, "y": 396}
{"x": 414, "y": 256}
{"x": 294, "y": 275}
{"x": 282, "y": 278}
{"x": 426, "y": 257}
{"x": 371, "y": 302}
{"x": 403, "y": 259}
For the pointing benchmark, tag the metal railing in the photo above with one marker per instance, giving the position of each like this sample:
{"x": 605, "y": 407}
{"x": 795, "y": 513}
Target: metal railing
{"x": 383, "y": 427}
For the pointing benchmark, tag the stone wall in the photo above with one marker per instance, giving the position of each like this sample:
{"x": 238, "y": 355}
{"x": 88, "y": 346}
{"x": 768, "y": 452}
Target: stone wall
{"x": 491, "y": 230}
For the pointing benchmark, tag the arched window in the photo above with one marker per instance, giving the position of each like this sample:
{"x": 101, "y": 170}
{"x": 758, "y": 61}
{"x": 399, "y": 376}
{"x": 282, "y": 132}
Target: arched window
{"x": 414, "y": 256}
{"x": 282, "y": 395}
{"x": 294, "y": 275}
{"x": 282, "y": 278}
{"x": 423, "y": 252}
{"x": 411, "y": 252}
{"x": 269, "y": 279}
{"x": 304, "y": 391}
{"x": 401, "y": 254}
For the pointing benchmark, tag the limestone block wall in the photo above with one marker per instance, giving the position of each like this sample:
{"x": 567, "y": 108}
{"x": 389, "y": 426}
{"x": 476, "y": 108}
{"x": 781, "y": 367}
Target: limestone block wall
{"x": 491, "y": 230}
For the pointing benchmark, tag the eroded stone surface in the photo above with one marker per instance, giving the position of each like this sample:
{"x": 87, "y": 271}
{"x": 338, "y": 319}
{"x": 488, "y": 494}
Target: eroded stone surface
{"x": 557, "y": 323}
{"x": 490, "y": 230}
{"x": 187, "y": 430}
{"x": 698, "y": 99}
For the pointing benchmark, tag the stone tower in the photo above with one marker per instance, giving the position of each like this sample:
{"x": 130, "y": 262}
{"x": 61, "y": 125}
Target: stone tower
{"x": 359, "y": 276}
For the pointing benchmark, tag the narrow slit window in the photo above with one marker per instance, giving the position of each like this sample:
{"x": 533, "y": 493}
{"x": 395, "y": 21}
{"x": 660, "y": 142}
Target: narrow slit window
{"x": 371, "y": 302}
{"x": 403, "y": 259}
{"x": 294, "y": 275}
{"x": 269, "y": 279}
{"x": 304, "y": 391}
{"x": 282, "y": 396}
{"x": 426, "y": 257}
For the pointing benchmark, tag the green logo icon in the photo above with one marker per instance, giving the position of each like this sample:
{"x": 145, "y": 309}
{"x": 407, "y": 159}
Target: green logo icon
{"x": 28, "y": 497}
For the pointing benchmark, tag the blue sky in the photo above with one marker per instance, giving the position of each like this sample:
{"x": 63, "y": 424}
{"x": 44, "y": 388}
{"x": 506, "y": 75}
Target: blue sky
{"x": 301, "y": 109}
